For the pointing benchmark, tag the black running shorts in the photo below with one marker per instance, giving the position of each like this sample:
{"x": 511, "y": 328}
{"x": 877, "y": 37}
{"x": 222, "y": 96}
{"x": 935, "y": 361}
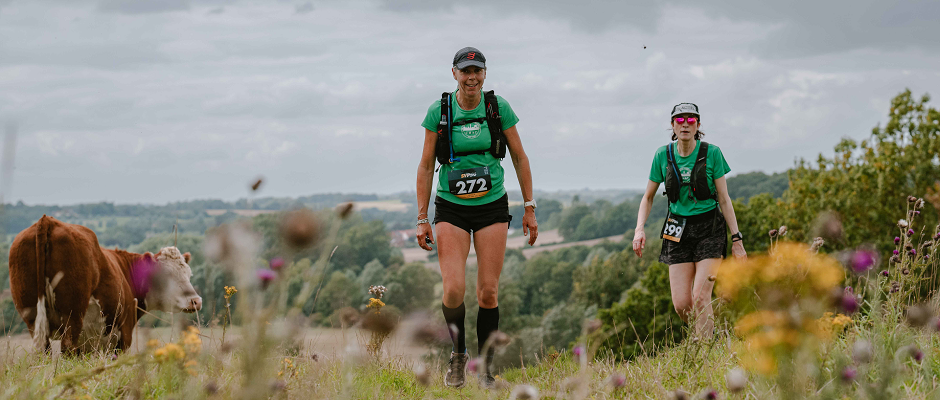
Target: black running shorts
{"x": 472, "y": 218}
{"x": 704, "y": 237}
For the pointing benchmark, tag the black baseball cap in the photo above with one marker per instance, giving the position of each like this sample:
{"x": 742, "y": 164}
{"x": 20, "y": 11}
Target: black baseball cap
{"x": 468, "y": 56}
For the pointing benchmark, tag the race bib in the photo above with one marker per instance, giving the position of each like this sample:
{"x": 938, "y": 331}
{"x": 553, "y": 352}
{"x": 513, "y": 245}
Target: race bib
{"x": 673, "y": 228}
{"x": 469, "y": 183}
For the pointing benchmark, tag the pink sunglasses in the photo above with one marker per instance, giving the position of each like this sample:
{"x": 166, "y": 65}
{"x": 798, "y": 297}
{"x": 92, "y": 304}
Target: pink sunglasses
{"x": 690, "y": 120}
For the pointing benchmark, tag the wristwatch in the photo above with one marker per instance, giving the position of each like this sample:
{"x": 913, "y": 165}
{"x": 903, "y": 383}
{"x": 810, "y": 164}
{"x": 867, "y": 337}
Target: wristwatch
{"x": 737, "y": 237}
{"x": 529, "y": 203}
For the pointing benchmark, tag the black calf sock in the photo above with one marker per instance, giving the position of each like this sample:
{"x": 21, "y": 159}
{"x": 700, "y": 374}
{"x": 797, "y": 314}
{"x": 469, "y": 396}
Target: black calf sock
{"x": 455, "y": 317}
{"x": 487, "y": 323}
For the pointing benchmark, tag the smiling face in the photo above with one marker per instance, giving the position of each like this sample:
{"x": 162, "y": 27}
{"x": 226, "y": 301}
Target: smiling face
{"x": 685, "y": 130}
{"x": 470, "y": 79}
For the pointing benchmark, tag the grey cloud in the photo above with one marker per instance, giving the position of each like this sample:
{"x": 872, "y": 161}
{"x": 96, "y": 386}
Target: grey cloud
{"x": 216, "y": 11}
{"x": 143, "y": 7}
{"x": 304, "y": 8}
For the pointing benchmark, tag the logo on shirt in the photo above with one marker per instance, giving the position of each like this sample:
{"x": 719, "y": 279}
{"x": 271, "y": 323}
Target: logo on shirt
{"x": 471, "y": 130}
{"x": 686, "y": 174}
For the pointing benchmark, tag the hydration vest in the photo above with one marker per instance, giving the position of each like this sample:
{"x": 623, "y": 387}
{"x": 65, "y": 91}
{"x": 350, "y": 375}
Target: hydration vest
{"x": 445, "y": 147}
{"x": 698, "y": 181}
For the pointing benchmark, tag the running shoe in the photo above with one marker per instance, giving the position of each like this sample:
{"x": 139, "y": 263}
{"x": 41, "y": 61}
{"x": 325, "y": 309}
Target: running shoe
{"x": 456, "y": 375}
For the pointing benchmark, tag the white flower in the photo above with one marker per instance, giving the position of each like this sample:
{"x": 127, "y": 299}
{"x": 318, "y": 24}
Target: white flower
{"x": 902, "y": 223}
{"x": 782, "y": 231}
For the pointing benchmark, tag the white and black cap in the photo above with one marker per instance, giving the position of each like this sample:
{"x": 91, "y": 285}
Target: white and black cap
{"x": 469, "y": 56}
{"x": 685, "y": 108}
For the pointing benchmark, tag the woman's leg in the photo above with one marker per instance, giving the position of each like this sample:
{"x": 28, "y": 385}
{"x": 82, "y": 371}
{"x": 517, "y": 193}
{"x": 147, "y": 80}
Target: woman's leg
{"x": 453, "y": 246}
{"x": 490, "y": 245}
{"x": 681, "y": 277}
{"x": 702, "y": 296}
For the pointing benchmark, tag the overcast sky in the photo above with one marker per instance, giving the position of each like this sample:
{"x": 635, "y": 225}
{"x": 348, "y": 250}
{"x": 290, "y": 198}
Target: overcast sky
{"x": 157, "y": 101}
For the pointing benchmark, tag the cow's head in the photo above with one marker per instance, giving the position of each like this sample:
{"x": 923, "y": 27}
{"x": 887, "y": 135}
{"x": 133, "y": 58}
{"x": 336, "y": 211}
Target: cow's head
{"x": 169, "y": 287}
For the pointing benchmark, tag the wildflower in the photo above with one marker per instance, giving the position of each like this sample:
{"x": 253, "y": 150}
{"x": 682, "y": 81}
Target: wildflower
{"x": 190, "y": 367}
{"x": 153, "y": 343}
{"x": 917, "y": 212}
{"x": 862, "y": 351}
{"x": 896, "y": 252}
{"x": 884, "y": 272}
{"x": 895, "y": 259}
{"x": 191, "y": 340}
{"x": 849, "y": 303}
{"x": 524, "y": 392}
{"x": 229, "y": 291}
{"x": 817, "y": 244}
{"x": 908, "y": 246}
{"x": 578, "y": 350}
{"x": 863, "y": 260}
{"x": 902, "y": 223}
{"x": 848, "y": 374}
{"x": 300, "y": 228}
{"x": 617, "y": 380}
{"x": 782, "y": 231}
{"x": 919, "y": 203}
{"x": 895, "y": 286}
{"x": 915, "y": 353}
{"x": 375, "y": 303}
{"x": 170, "y": 352}
{"x": 897, "y": 240}
{"x": 266, "y": 276}
{"x": 937, "y": 236}
{"x": 913, "y": 252}
{"x": 926, "y": 257}
{"x": 473, "y": 365}
{"x": 911, "y": 199}
{"x": 905, "y": 271}
{"x": 736, "y": 380}
{"x": 910, "y": 232}
{"x": 772, "y": 233}
{"x": 377, "y": 291}
{"x": 709, "y": 394}
{"x": 276, "y": 263}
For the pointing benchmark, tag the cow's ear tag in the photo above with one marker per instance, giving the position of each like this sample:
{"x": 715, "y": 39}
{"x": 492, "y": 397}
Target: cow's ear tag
{"x": 187, "y": 256}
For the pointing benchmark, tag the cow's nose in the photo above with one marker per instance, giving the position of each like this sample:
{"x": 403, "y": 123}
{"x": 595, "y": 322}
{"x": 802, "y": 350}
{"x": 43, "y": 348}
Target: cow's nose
{"x": 197, "y": 303}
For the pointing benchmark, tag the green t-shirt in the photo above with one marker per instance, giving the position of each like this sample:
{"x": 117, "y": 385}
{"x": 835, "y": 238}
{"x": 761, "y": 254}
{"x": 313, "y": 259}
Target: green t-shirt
{"x": 471, "y": 137}
{"x": 716, "y": 167}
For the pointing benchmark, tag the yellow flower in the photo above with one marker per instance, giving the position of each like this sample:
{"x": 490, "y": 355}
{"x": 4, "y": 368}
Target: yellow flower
{"x": 153, "y": 343}
{"x": 170, "y": 352}
{"x": 375, "y": 303}
{"x": 229, "y": 291}
{"x": 191, "y": 340}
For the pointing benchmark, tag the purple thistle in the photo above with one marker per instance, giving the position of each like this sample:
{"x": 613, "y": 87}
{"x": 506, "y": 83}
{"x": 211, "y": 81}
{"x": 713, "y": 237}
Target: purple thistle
{"x": 937, "y": 236}
{"x": 473, "y": 365}
{"x": 141, "y": 274}
{"x": 895, "y": 287}
{"x": 896, "y": 252}
{"x": 712, "y": 394}
{"x": 848, "y": 374}
{"x": 913, "y": 252}
{"x": 936, "y": 324}
{"x": 849, "y": 303}
{"x": 863, "y": 260}
{"x": 276, "y": 264}
{"x": 897, "y": 240}
{"x": 578, "y": 351}
{"x": 917, "y": 355}
{"x": 916, "y": 212}
{"x": 884, "y": 273}
{"x": 266, "y": 276}
{"x": 910, "y": 232}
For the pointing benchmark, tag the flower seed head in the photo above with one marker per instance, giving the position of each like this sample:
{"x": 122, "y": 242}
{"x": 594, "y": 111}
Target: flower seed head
{"x": 782, "y": 230}
{"x": 300, "y": 228}
{"x": 895, "y": 259}
{"x": 524, "y": 392}
{"x": 736, "y": 380}
{"x": 902, "y": 224}
{"x": 905, "y": 271}
{"x": 772, "y": 233}
{"x": 919, "y": 203}
{"x": 911, "y": 199}
{"x": 884, "y": 272}
{"x": 862, "y": 351}
{"x": 895, "y": 286}
{"x": 817, "y": 244}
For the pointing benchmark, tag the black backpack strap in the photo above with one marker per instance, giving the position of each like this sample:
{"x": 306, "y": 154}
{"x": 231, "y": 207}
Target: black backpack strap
{"x": 495, "y": 123}
{"x": 444, "y": 151}
{"x": 701, "y": 166}
{"x": 670, "y": 155}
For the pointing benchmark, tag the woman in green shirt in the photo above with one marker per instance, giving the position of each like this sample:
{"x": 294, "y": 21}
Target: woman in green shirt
{"x": 470, "y": 200}
{"x": 700, "y": 210}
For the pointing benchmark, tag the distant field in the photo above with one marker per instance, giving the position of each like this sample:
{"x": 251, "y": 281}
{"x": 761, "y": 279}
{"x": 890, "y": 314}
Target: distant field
{"x": 243, "y": 213}
{"x": 384, "y": 205}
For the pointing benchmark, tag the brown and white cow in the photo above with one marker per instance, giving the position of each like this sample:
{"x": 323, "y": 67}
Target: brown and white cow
{"x": 66, "y": 286}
